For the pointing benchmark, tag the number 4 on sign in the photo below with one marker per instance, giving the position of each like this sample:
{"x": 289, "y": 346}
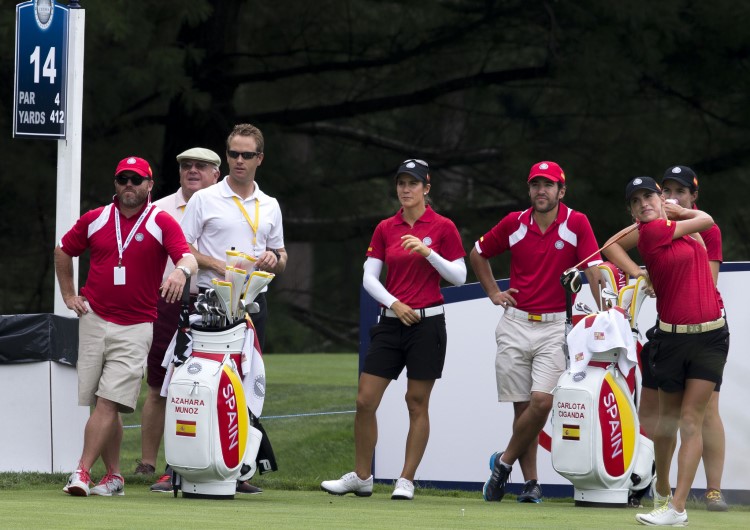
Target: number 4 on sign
{"x": 48, "y": 70}
{"x": 57, "y": 99}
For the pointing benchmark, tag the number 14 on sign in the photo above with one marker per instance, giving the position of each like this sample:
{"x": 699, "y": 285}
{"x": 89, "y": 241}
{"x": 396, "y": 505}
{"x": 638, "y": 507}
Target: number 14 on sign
{"x": 48, "y": 70}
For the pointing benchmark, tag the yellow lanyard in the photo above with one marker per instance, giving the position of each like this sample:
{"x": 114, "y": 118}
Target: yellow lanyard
{"x": 253, "y": 225}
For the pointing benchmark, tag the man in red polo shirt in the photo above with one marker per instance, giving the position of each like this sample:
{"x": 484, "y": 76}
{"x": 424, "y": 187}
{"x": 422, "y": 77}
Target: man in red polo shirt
{"x": 129, "y": 241}
{"x": 544, "y": 241}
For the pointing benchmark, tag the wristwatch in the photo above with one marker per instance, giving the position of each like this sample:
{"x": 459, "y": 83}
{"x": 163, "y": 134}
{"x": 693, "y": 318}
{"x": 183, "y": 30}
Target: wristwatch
{"x": 185, "y": 271}
{"x": 275, "y": 253}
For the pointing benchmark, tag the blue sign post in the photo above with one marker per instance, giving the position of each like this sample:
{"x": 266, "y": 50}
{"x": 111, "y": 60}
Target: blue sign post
{"x": 40, "y": 95}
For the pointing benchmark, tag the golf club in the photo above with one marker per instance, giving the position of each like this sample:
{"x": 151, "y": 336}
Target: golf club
{"x": 615, "y": 240}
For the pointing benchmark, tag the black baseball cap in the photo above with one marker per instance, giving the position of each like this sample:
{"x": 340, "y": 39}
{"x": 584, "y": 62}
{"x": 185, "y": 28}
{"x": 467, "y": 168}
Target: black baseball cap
{"x": 641, "y": 183}
{"x": 416, "y": 168}
{"x": 682, "y": 174}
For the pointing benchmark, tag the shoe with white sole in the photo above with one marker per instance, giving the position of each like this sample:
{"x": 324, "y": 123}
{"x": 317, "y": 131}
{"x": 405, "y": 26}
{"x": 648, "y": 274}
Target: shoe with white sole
{"x": 404, "y": 490}
{"x": 663, "y": 516}
{"x": 111, "y": 484}
{"x": 163, "y": 485}
{"x": 494, "y": 488}
{"x": 78, "y": 483}
{"x": 349, "y": 483}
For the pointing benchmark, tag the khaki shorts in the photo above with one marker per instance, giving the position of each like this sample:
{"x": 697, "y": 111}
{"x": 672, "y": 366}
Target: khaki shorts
{"x": 529, "y": 358}
{"x": 111, "y": 360}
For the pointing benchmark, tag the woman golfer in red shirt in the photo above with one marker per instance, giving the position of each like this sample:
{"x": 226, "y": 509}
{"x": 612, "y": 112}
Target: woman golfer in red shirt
{"x": 419, "y": 247}
{"x": 690, "y": 347}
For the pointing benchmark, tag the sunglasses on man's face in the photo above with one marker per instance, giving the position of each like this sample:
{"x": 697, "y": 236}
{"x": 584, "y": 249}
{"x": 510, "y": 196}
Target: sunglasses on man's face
{"x": 246, "y": 155}
{"x": 136, "y": 180}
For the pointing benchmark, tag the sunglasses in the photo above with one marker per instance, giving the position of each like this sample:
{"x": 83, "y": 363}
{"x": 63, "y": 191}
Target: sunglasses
{"x": 416, "y": 161}
{"x": 246, "y": 155}
{"x": 187, "y": 166}
{"x": 136, "y": 180}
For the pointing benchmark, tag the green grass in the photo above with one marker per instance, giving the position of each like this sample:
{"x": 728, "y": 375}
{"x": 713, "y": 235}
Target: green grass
{"x": 309, "y": 449}
{"x": 47, "y": 507}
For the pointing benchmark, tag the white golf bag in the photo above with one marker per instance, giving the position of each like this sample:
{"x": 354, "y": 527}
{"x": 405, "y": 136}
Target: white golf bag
{"x": 208, "y": 438}
{"x": 596, "y": 440}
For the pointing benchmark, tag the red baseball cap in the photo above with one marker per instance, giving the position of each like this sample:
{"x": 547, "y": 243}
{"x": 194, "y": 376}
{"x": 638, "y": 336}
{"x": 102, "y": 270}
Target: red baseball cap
{"x": 548, "y": 170}
{"x": 136, "y": 165}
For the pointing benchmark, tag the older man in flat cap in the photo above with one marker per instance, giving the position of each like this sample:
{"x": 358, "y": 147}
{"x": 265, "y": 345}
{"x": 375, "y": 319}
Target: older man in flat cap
{"x": 199, "y": 168}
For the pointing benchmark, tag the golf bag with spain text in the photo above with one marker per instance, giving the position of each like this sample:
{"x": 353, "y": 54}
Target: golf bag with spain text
{"x": 208, "y": 438}
{"x": 596, "y": 440}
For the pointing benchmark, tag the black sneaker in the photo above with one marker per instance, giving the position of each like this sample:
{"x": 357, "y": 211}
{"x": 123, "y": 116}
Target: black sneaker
{"x": 494, "y": 488}
{"x": 532, "y": 492}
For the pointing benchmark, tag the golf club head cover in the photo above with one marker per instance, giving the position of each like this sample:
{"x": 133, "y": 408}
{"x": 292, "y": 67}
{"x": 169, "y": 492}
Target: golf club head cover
{"x": 258, "y": 281}
{"x": 639, "y": 295}
{"x": 571, "y": 280}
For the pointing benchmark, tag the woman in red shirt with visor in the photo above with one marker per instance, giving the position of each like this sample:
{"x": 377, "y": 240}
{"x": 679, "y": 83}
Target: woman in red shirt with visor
{"x": 419, "y": 247}
{"x": 690, "y": 347}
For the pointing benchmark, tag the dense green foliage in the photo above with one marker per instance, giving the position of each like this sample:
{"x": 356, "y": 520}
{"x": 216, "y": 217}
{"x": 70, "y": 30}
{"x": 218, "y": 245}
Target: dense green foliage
{"x": 345, "y": 89}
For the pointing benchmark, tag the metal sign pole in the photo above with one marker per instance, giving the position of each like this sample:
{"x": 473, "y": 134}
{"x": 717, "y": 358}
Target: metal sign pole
{"x": 69, "y": 150}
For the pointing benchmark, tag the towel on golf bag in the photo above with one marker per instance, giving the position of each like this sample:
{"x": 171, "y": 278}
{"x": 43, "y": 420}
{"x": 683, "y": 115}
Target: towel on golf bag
{"x": 601, "y": 332}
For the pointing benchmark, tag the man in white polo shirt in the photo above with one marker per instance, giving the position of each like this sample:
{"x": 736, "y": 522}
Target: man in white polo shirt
{"x": 544, "y": 241}
{"x": 199, "y": 168}
{"x": 237, "y": 214}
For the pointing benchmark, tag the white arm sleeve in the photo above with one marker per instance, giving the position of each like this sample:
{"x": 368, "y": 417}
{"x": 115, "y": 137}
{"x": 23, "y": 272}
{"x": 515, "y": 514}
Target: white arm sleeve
{"x": 451, "y": 271}
{"x": 371, "y": 282}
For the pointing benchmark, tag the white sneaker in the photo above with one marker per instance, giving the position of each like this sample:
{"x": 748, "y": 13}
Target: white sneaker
{"x": 664, "y": 516}
{"x": 109, "y": 485}
{"x": 404, "y": 490}
{"x": 349, "y": 483}
{"x": 78, "y": 483}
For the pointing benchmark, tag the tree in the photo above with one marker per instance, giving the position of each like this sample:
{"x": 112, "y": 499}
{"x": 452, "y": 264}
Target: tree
{"x": 345, "y": 90}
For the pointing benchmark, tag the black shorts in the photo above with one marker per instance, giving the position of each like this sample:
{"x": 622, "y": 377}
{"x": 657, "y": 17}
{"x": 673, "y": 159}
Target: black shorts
{"x": 419, "y": 347}
{"x": 677, "y": 357}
